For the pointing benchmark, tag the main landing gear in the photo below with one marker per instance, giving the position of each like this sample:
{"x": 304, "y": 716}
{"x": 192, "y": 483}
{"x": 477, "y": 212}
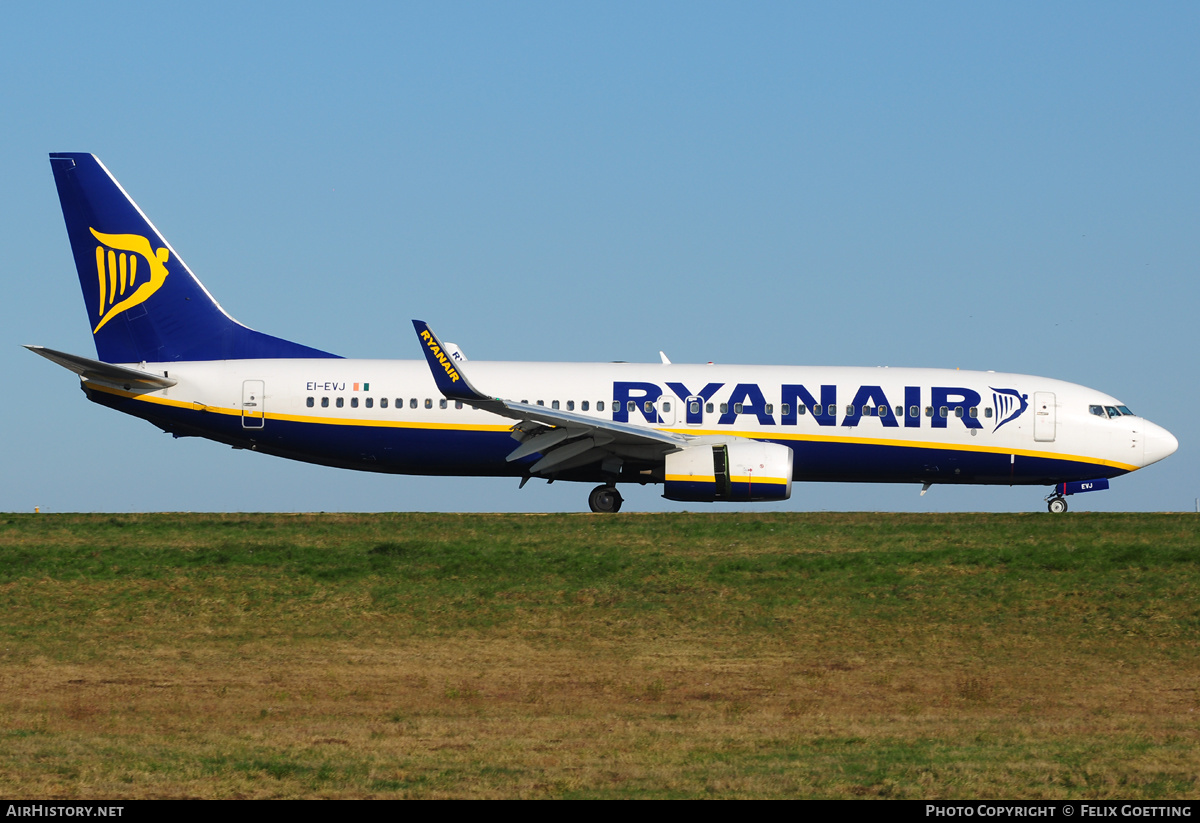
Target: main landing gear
{"x": 605, "y": 500}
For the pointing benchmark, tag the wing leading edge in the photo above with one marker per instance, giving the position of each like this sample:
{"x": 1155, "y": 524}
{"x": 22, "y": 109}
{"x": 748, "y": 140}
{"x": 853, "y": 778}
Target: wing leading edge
{"x": 565, "y": 440}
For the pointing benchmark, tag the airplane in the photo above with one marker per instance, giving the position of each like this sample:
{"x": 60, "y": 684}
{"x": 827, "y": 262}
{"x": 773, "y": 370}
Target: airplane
{"x": 169, "y": 354}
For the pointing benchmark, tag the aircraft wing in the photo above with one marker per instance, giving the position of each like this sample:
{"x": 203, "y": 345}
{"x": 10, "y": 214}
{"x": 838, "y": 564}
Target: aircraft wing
{"x": 98, "y": 371}
{"x": 566, "y": 440}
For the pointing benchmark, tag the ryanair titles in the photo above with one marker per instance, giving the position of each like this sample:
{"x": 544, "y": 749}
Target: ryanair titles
{"x": 439, "y": 355}
{"x": 936, "y": 404}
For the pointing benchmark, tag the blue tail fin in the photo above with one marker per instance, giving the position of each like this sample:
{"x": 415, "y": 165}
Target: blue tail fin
{"x": 143, "y": 302}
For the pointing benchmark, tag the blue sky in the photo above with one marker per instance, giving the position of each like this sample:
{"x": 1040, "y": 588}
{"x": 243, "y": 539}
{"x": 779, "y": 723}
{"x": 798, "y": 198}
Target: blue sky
{"x": 1008, "y": 186}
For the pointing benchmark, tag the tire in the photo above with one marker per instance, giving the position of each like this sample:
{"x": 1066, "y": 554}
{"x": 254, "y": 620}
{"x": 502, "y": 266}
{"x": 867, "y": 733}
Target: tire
{"x": 1057, "y": 505}
{"x": 605, "y": 500}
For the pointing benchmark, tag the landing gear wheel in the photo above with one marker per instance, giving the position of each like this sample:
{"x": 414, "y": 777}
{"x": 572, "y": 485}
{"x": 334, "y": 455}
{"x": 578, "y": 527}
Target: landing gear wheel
{"x": 605, "y": 500}
{"x": 1057, "y": 505}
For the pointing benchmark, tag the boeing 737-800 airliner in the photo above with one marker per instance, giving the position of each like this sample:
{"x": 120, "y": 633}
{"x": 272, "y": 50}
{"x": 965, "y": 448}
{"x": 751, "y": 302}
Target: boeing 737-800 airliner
{"x": 168, "y": 353}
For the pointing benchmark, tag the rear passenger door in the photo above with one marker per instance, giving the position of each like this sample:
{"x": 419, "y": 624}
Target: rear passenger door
{"x": 254, "y": 410}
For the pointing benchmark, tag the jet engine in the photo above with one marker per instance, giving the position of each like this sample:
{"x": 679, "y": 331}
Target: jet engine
{"x": 737, "y": 471}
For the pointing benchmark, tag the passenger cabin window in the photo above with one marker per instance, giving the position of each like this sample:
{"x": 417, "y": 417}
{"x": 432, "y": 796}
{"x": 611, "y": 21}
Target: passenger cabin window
{"x": 914, "y": 411}
{"x": 324, "y": 402}
{"x": 554, "y": 404}
{"x": 944, "y": 411}
{"x": 958, "y": 411}
{"x": 987, "y": 411}
{"x": 630, "y": 406}
{"x": 770, "y": 408}
{"x": 929, "y": 411}
{"x": 412, "y": 403}
{"x": 341, "y": 401}
{"x": 708, "y": 407}
{"x": 974, "y": 411}
{"x": 724, "y": 408}
{"x": 693, "y": 408}
{"x": 818, "y": 409}
{"x": 429, "y": 402}
{"x": 599, "y": 405}
{"x": 584, "y": 405}
{"x": 570, "y": 405}
{"x": 850, "y": 411}
{"x": 458, "y": 404}
{"x": 354, "y": 402}
{"x": 443, "y": 403}
{"x": 370, "y": 401}
{"x": 900, "y": 411}
{"x": 666, "y": 405}
{"x": 648, "y": 406}
{"x": 383, "y": 402}
{"x": 309, "y": 402}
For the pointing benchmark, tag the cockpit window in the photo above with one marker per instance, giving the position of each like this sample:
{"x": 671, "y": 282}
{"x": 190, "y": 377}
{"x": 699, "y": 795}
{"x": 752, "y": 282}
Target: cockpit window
{"x": 1110, "y": 411}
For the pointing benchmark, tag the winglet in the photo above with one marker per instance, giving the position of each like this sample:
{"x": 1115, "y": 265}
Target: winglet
{"x": 447, "y": 373}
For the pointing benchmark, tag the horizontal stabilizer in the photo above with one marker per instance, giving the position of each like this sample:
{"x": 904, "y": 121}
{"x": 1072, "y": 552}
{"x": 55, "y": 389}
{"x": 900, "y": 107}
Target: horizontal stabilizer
{"x": 100, "y": 372}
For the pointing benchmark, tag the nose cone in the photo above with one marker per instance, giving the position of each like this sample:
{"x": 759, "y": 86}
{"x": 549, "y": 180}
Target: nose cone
{"x": 1159, "y": 443}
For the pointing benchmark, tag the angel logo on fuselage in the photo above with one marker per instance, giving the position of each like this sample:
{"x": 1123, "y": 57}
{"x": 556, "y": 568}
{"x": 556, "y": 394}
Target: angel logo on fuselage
{"x": 1010, "y": 404}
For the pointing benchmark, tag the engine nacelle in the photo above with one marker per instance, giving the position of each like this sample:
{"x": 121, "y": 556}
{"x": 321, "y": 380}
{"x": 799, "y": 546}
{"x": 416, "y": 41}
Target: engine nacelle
{"x": 739, "y": 471}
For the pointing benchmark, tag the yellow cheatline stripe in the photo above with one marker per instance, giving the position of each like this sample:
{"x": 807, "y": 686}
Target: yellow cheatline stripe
{"x": 737, "y": 478}
{"x": 296, "y": 418}
{"x": 746, "y": 478}
{"x": 812, "y": 438}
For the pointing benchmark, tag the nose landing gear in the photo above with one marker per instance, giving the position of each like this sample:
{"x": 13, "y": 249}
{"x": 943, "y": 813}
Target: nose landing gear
{"x": 1056, "y": 501}
{"x": 605, "y": 500}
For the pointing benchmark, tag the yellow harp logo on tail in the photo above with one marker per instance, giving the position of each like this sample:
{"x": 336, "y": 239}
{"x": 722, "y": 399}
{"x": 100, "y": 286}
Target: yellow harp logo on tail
{"x": 117, "y": 268}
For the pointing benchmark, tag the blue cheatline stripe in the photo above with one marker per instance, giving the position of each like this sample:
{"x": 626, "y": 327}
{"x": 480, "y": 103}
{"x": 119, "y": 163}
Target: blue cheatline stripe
{"x": 411, "y": 448}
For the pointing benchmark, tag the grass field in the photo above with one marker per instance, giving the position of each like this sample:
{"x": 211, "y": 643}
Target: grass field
{"x": 674, "y": 655}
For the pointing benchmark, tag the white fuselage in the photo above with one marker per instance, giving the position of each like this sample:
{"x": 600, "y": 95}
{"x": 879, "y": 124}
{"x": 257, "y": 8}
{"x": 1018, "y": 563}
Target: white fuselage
{"x": 923, "y": 425}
